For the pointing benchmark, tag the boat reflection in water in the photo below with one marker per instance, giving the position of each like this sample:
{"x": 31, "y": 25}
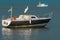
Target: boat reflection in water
{"x": 20, "y": 34}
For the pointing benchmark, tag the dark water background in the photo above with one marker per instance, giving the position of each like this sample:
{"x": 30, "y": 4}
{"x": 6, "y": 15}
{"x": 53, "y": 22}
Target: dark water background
{"x": 50, "y": 32}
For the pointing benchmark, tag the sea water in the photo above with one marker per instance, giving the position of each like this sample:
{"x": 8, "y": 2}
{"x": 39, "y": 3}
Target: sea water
{"x": 50, "y": 32}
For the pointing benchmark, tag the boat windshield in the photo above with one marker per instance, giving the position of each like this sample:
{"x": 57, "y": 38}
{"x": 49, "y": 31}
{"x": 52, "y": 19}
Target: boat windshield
{"x": 33, "y": 16}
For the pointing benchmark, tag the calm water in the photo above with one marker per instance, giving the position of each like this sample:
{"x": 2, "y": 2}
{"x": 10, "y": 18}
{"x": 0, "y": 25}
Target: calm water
{"x": 50, "y": 32}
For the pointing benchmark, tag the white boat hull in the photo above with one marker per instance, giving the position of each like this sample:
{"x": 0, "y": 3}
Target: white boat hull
{"x": 34, "y": 23}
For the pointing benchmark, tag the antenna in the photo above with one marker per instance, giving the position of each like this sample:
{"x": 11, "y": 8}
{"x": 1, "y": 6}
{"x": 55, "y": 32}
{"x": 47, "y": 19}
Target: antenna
{"x": 2, "y": 17}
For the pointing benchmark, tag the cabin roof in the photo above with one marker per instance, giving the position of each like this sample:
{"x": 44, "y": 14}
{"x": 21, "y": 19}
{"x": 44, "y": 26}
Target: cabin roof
{"x": 28, "y": 15}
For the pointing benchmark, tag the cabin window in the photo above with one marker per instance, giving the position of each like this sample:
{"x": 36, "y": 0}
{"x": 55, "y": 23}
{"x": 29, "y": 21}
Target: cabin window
{"x": 33, "y": 17}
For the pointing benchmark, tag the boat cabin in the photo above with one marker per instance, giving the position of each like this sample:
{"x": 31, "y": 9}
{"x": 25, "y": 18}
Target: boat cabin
{"x": 27, "y": 17}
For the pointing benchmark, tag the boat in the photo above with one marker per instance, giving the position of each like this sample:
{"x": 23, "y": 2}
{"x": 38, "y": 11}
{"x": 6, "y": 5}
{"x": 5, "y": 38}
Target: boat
{"x": 25, "y": 20}
{"x": 42, "y": 5}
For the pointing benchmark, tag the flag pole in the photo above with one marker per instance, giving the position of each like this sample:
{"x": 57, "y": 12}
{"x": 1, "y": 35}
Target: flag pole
{"x": 11, "y": 11}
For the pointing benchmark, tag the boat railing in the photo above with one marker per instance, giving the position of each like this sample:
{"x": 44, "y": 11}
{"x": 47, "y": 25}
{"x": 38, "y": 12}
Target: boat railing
{"x": 47, "y": 15}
